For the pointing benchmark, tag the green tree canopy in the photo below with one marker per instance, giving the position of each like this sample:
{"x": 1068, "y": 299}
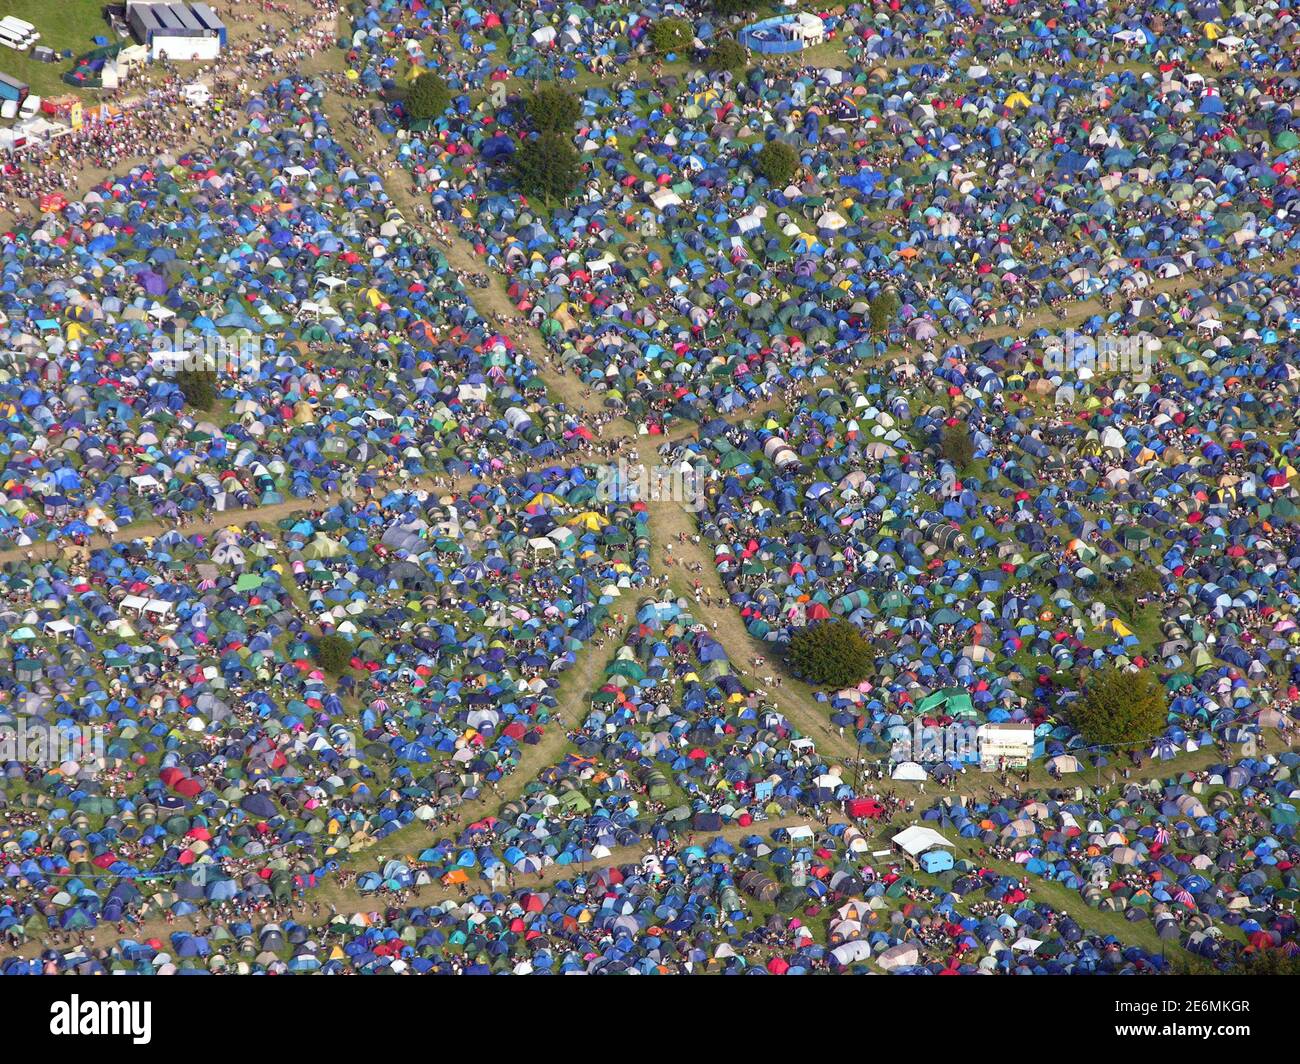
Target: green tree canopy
{"x": 956, "y": 445}
{"x": 881, "y": 312}
{"x": 727, "y": 54}
{"x": 332, "y": 652}
{"x": 1131, "y": 589}
{"x": 428, "y": 98}
{"x": 1255, "y": 962}
{"x": 778, "y": 162}
{"x": 548, "y": 166}
{"x": 832, "y": 653}
{"x": 553, "y": 110}
{"x": 199, "y": 386}
{"x": 1119, "y": 707}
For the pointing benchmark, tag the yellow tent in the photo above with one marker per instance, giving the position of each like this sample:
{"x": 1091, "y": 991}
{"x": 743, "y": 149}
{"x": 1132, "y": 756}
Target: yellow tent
{"x": 588, "y": 519}
{"x": 1213, "y": 31}
{"x": 1018, "y": 99}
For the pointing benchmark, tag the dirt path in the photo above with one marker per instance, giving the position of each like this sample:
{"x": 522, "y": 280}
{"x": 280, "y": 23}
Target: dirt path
{"x": 1076, "y": 311}
{"x": 491, "y": 302}
{"x": 576, "y": 685}
{"x": 668, "y": 519}
{"x": 212, "y": 521}
{"x": 243, "y": 30}
{"x": 268, "y": 514}
{"x": 672, "y": 528}
{"x": 347, "y": 901}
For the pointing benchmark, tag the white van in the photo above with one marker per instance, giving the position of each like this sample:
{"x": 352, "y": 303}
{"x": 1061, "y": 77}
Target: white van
{"x": 12, "y": 39}
{"x": 20, "y": 30}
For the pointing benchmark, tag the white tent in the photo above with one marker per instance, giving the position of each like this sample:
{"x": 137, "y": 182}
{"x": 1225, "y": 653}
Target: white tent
{"x": 918, "y": 839}
{"x": 665, "y": 197}
{"x": 809, "y": 28}
{"x": 902, "y": 956}
{"x": 852, "y": 952}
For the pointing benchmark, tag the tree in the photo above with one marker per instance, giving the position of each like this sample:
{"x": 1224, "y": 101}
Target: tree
{"x": 199, "y": 387}
{"x": 333, "y": 653}
{"x": 553, "y": 110}
{"x": 956, "y": 445}
{"x": 1247, "y": 960}
{"x": 1131, "y": 589}
{"x": 727, "y": 54}
{"x": 428, "y": 98}
{"x": 1263, "y": 962}
{"x": 881, "y": 312}
{"x": 832, "y": 653}
{"x": 547, "y": 166}
{"x": 778, "y": 162}
{"x": 735, "y": 7}
{"x": 671, "y": 35}
{"x": 1119, "y": 707}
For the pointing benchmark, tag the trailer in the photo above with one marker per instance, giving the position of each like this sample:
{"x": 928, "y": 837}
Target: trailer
{"x": 143, "y": 22}
{"x": 12, "y": 90}
{"x": 15, "y": 39}
{"x": 20, "y": 28}
{"x": 168, "y": 22}
{"x": 185, "y": 13}
{"x": 211, "y": 20}
{"x": 175, "y": 30}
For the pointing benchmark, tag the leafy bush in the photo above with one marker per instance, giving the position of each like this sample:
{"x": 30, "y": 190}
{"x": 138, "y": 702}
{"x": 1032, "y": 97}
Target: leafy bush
{"x": 333, "y": 653}
{"x": 428, "y": 98}
{"x": 832, "y": 653}
{"x": 1256, "y": 962}
{"x": 1129, "y": 590}
{"x": 671, "y": 35}
{"x": 547, "y": 166}
{"x": 1120, "y": 706}
{"x": 735, "y": 7}
{"x": 727, "y": 54}
{"x": 956, "y": 445}
{"x": 881, "y": 312}
{"x": 553, "y": 110}
{"x": 199, "y": 387}
{"x": 778, "y": 162}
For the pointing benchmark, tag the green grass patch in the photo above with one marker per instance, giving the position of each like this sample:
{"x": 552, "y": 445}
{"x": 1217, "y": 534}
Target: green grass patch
{"x": 66, "y": 25}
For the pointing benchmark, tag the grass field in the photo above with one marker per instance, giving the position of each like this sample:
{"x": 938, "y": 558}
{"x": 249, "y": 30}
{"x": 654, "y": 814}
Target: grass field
{"x": 63, "y": 24}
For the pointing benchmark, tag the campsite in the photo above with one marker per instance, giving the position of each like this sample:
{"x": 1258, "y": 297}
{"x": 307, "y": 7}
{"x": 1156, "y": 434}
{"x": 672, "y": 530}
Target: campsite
{"x": 331, "y": 570}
